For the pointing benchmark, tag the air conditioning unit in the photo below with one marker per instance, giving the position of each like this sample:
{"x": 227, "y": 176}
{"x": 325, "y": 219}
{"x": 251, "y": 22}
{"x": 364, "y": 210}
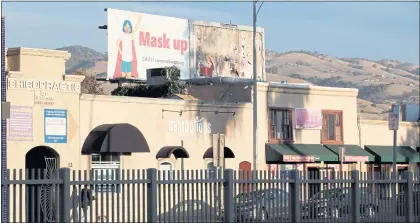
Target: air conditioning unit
{"x": 157, "y": 76}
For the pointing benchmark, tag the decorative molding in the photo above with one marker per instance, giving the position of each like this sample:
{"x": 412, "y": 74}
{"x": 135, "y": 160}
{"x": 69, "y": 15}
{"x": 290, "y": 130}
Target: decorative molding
{"x": 385, "y": 122}
{"x": 38, "y": 52}
{"x": 14, "y": 74}
{"x": 313, "y": 90}
{"x": 160, "y": 101}
{"x": 74, "y": 78}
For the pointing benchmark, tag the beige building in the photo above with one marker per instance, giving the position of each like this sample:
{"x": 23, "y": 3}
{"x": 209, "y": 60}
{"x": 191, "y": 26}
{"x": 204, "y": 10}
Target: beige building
{"x": 53, "y": 125}
{"x": 51, "y": 118}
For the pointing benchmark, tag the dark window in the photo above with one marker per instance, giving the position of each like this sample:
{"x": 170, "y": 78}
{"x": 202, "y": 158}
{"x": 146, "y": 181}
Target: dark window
{"x": 280, "y": 125}
{"x": 332, "y": 127}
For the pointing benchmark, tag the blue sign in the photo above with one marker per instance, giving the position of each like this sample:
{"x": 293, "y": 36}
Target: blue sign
{"x": 55, "y": 125}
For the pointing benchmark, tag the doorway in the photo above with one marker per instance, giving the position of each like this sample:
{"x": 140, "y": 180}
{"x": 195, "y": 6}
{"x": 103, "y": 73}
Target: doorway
{"x": 245, "y": 173}
{"x": 41, "y": 162}
{"x": 314, "y": 174}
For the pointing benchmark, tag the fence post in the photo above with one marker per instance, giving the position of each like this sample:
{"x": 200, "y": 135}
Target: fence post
{"x": 65, "y": 195}
{"x": 152, "y": 195}
{"x": 295, "y": 192}
{"x": 355, "y": 198}
{"x": 409, "y": 201}
{"x": 228, "y": 196}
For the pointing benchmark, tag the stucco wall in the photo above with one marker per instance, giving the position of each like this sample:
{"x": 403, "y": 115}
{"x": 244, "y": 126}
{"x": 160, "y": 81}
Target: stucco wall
{"x": 376, "y": 132}
{"x": 314, "y": 97}
{"x": 147, "y": 115}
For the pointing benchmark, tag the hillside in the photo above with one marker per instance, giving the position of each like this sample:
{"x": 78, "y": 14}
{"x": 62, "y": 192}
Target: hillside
{"x": 380, "y": 83}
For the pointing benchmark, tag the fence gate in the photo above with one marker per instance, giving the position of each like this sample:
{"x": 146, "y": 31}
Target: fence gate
{"x": 48, "y": 192}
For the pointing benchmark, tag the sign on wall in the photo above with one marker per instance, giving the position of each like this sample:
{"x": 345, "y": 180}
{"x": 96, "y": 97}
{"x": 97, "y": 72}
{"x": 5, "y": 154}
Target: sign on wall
{"x": 43, "y": 98}
{"x": 59, "y": 86}
{"x": 138, "y": 41}
{"x": 55, "y": 125}
{"x": 393, "y": 121}
{"x": 20, "y": 123}
{"x": 196, "y": 125}
{"x": 308, "y": 118}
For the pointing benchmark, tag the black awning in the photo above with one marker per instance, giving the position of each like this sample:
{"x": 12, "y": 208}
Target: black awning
{"x": 115, "y": 138}
{"x": 177, "y": 151}
{"x": 227, "y": 152}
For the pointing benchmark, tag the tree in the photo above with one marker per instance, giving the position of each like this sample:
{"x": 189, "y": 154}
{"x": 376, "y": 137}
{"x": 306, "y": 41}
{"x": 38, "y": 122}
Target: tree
{"x": 89, "y": 85}
{"x": 174, "y": 84}
{"x": 171, "y": 87}
{"x": 274, "y": 70}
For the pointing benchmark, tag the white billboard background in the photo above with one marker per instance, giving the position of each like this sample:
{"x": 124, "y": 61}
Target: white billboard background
{"x": 167, "y": 45}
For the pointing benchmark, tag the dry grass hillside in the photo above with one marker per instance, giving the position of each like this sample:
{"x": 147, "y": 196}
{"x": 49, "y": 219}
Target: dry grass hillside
{"x": 380, "y": 83}
{"x": 376, "y": 82}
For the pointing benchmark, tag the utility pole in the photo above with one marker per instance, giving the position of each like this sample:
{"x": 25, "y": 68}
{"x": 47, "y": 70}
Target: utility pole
{"x": 254, "y": 75}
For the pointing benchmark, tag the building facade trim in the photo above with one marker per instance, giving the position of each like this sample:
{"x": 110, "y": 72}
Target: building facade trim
{"x": 124, "y": 99}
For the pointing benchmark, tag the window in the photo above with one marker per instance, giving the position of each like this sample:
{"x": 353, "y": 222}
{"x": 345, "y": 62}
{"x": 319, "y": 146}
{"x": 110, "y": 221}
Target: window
{"x": 167, "y": 170}
{"x": 280, "y": 125}
{"x": 332, "y": 127}
{"x": 211, "y": 170}
{"x": 106, "y": 166}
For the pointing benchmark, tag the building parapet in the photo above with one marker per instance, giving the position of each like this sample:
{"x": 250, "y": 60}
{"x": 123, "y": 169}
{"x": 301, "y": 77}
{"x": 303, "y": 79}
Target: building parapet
{"x": 385, "y": 122}
{"x": 38, "y": 52}
{"x": 74, "y": 78}
{"x": 310, "y": 90}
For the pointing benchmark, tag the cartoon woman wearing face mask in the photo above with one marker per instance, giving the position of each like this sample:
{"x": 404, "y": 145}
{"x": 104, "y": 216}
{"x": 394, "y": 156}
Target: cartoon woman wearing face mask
{"x": 126, "y": 66}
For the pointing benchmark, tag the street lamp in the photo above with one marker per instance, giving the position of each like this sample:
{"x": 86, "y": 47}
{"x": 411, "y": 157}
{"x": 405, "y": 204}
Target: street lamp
{"x": 254, "y": 66}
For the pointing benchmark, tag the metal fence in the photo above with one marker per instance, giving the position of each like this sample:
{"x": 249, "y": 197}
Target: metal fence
{"x": 203, "y": 196}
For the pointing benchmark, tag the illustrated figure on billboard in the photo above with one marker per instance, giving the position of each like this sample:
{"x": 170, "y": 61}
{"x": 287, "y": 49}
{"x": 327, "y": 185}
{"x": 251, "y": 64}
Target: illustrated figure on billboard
{"x": 127, "y": 59}
{"x": 206, "y": 67}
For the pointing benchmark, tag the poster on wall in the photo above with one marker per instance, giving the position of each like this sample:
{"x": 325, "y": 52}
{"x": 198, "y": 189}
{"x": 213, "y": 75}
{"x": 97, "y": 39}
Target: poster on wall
{"x": 138, "y": 41}
{"x": 308, "y": 118}
{"x": 55, "y": 125}
{"x": 221, "y": 51}
{"x": 20, "y": 123}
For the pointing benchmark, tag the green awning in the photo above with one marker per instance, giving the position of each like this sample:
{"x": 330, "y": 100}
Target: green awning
{"x": 298, "y": 153}
{"x": 352, "y": 153}
{"x": 384, "y": 154}
{"x": 282, "y": 153}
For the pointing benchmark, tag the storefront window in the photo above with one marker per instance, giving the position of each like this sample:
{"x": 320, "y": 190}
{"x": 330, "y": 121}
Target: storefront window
{"x": 106, "y": 166}
{"x": 332, "y": 127}
{"x": 280, "y": 125}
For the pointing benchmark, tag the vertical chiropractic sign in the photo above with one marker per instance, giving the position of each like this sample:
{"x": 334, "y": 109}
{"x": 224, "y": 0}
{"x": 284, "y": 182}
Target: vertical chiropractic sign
{"x": 138, "y": 41}
{"x": 55, "y": 125}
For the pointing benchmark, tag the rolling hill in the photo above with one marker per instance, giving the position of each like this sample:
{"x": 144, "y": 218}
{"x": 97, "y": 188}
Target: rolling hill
{"x": 380, "y": 83}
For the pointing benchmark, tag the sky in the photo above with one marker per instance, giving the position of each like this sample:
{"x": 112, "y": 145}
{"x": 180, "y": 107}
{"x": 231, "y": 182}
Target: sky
{"x": 376, "y": 30}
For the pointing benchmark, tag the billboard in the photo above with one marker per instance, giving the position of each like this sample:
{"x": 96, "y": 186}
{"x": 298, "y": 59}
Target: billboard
{"x": 138, "y": 41}
{"x": 225, "y": 51}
